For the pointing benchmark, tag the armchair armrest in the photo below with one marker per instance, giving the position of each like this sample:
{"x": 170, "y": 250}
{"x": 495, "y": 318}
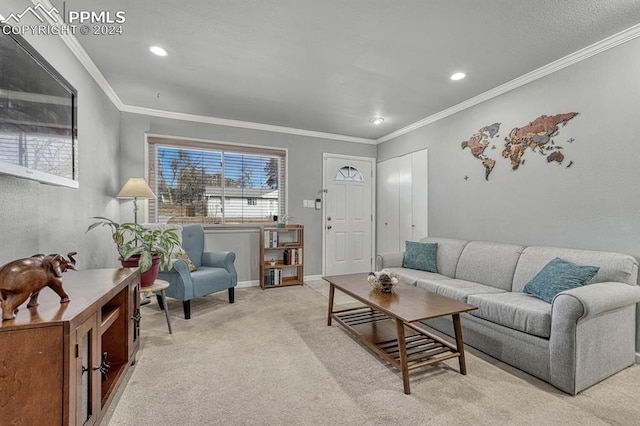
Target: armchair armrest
{"x": 389, "y": 260}
{"x": 221, "y": 259}
{"x": 179, "y": 279}
{"x": 179, "y": 266}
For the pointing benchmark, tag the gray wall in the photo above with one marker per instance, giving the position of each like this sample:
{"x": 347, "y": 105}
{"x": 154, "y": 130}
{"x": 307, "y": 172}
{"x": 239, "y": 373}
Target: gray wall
{"x": 304, "y": 170}
{"x": 595, "y": 204}
{"x": 39, "y": 218}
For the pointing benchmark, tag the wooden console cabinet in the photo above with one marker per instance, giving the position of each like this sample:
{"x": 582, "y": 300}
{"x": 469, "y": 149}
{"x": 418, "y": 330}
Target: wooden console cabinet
{"x": 60, "y": 364}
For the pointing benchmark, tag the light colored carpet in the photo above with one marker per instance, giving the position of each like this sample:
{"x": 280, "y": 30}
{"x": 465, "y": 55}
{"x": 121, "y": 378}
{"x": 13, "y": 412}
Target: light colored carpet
{"x": 270, "y": 359}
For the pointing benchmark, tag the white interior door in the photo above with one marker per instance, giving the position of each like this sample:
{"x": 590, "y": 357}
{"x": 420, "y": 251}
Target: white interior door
{"x": 348, "y": 214}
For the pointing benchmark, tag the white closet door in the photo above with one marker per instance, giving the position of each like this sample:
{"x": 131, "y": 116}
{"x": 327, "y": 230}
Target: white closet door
{"x": 387, "y": 207}
{"x": 402, "y": 201}
{"x": 419, "y": 191}
{"x": 405, "y": 193}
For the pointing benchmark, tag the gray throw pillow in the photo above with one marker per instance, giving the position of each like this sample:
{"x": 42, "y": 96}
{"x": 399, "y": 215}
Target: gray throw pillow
{"x": 559, "y": 275}
{"x": 420, "y": 256}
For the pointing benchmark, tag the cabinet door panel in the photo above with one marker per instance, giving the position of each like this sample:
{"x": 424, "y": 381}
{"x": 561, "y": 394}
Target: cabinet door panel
{"x": 134, "y": 318}
{"x": 87, "y": 377}
{"x": 31, "y": 381}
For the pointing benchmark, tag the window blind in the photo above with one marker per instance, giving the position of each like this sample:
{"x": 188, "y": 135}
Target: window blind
{"x": 215, "y": 183}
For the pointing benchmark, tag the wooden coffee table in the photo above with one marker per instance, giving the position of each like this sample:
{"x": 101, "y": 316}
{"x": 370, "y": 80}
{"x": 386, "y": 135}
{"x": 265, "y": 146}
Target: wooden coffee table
{"x": 384, "y": 324}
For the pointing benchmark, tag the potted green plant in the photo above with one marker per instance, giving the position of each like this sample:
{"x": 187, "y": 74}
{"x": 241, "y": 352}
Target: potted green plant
{"x": 138, "y": 246}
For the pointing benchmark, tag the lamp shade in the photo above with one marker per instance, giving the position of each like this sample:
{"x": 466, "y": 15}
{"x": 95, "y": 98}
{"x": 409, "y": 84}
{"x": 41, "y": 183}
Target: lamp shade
{"x": 136, "y": 188}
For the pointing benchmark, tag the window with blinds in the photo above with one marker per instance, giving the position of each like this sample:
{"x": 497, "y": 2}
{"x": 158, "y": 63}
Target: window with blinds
{"x": 215, "y": 183}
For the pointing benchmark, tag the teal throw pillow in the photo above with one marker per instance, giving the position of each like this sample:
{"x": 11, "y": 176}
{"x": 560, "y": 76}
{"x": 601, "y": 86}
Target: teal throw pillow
{"x": 559, "y": 275}
{"x": 420, "y": 256}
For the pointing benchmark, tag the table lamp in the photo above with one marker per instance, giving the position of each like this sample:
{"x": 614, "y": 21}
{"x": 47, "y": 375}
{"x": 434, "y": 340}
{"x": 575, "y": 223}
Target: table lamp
{"x": 136, "y": 188}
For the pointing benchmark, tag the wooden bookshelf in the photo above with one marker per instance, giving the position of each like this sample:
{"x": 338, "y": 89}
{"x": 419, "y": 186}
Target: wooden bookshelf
{"x": 281, "y": 256}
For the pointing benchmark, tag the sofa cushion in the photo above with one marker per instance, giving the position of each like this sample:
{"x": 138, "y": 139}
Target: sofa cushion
{"x": 515, "y": 310}
{"x": 559, "y": 275}
{"x": 615, "y": 267}
{"x": 456, "y": 289}
{"x": 420, "y": 256}
{"x": 449, "y": 251}
{"x": 411, "y": 276}
{"x": 487, "y": 263}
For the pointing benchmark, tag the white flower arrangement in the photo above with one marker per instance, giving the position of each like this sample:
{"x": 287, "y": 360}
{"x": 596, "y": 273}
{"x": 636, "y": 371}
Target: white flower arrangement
{"x": 383, "y": 280}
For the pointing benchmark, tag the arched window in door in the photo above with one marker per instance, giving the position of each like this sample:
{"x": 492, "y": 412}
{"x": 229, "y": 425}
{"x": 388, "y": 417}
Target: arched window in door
{"x": 349, "y": 173}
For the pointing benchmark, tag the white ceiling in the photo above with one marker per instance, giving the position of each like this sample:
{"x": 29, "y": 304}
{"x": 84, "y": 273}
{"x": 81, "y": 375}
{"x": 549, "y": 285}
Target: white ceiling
{"x": 331, "y": 65}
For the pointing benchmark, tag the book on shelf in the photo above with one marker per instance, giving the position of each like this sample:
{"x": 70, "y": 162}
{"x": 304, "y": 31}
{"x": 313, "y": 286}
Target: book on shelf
{"x": 270, "y": 239}
{"x": 292, "y": 256}
{"x": 272, "y": 277}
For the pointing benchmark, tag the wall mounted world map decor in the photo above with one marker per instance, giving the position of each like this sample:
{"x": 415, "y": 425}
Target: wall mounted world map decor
{"x": 536, "y": 136}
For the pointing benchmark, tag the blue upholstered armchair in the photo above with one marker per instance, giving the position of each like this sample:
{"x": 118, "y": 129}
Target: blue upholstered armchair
{"x": 215, "y": 271}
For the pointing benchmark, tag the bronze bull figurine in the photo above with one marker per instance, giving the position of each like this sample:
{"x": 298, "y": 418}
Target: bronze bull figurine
{"x": 26, "y": 277}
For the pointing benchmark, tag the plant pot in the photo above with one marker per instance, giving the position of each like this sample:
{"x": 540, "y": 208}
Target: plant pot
{"x": 148, "y": 277}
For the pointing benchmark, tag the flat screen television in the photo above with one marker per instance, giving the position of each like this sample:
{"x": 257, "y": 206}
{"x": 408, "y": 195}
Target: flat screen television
{"x": 38, "y": 125}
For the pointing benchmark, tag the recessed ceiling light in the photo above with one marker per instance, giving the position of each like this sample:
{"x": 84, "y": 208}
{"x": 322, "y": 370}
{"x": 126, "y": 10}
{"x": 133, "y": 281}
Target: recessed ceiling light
{"x": 458, "y": 76}
{"x": 376, "y": 120}
{"x": 157, "y": 50}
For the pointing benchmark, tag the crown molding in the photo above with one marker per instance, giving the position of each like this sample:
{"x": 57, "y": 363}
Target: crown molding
{"x": 242, "y": 124}
{"x": 92, "y": 68}
{"x": 575, "y": 57}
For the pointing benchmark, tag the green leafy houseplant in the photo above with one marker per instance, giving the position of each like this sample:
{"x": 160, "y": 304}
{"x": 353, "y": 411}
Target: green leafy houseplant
{"x": 132, "y": 240}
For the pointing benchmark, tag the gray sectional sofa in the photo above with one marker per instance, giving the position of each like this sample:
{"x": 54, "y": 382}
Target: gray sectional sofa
{"x": 584, "y": 336}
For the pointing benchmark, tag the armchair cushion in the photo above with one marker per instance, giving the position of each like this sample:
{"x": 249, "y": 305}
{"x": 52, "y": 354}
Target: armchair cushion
{"x": 182, "y": 255}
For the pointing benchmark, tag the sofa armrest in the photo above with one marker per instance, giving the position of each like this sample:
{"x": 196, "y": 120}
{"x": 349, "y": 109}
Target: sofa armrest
{"x": 594, "y": 299}
{"x": 592, "y": 334}
{"x": 389, "y": 260}
{"x": 222, "y": 259}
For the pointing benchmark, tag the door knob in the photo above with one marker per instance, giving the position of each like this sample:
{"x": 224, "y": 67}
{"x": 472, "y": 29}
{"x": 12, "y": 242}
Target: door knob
{"x": 329, "y": 218}
{"x": 329, "y": 227}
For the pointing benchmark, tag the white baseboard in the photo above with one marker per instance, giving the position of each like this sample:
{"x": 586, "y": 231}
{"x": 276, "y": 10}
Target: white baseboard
{"x": 256, "y": 283}
{"x": 312, "y": 277}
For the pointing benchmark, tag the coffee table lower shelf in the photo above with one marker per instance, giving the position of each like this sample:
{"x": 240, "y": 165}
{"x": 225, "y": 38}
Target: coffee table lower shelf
{"x": 380, "y": 333}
